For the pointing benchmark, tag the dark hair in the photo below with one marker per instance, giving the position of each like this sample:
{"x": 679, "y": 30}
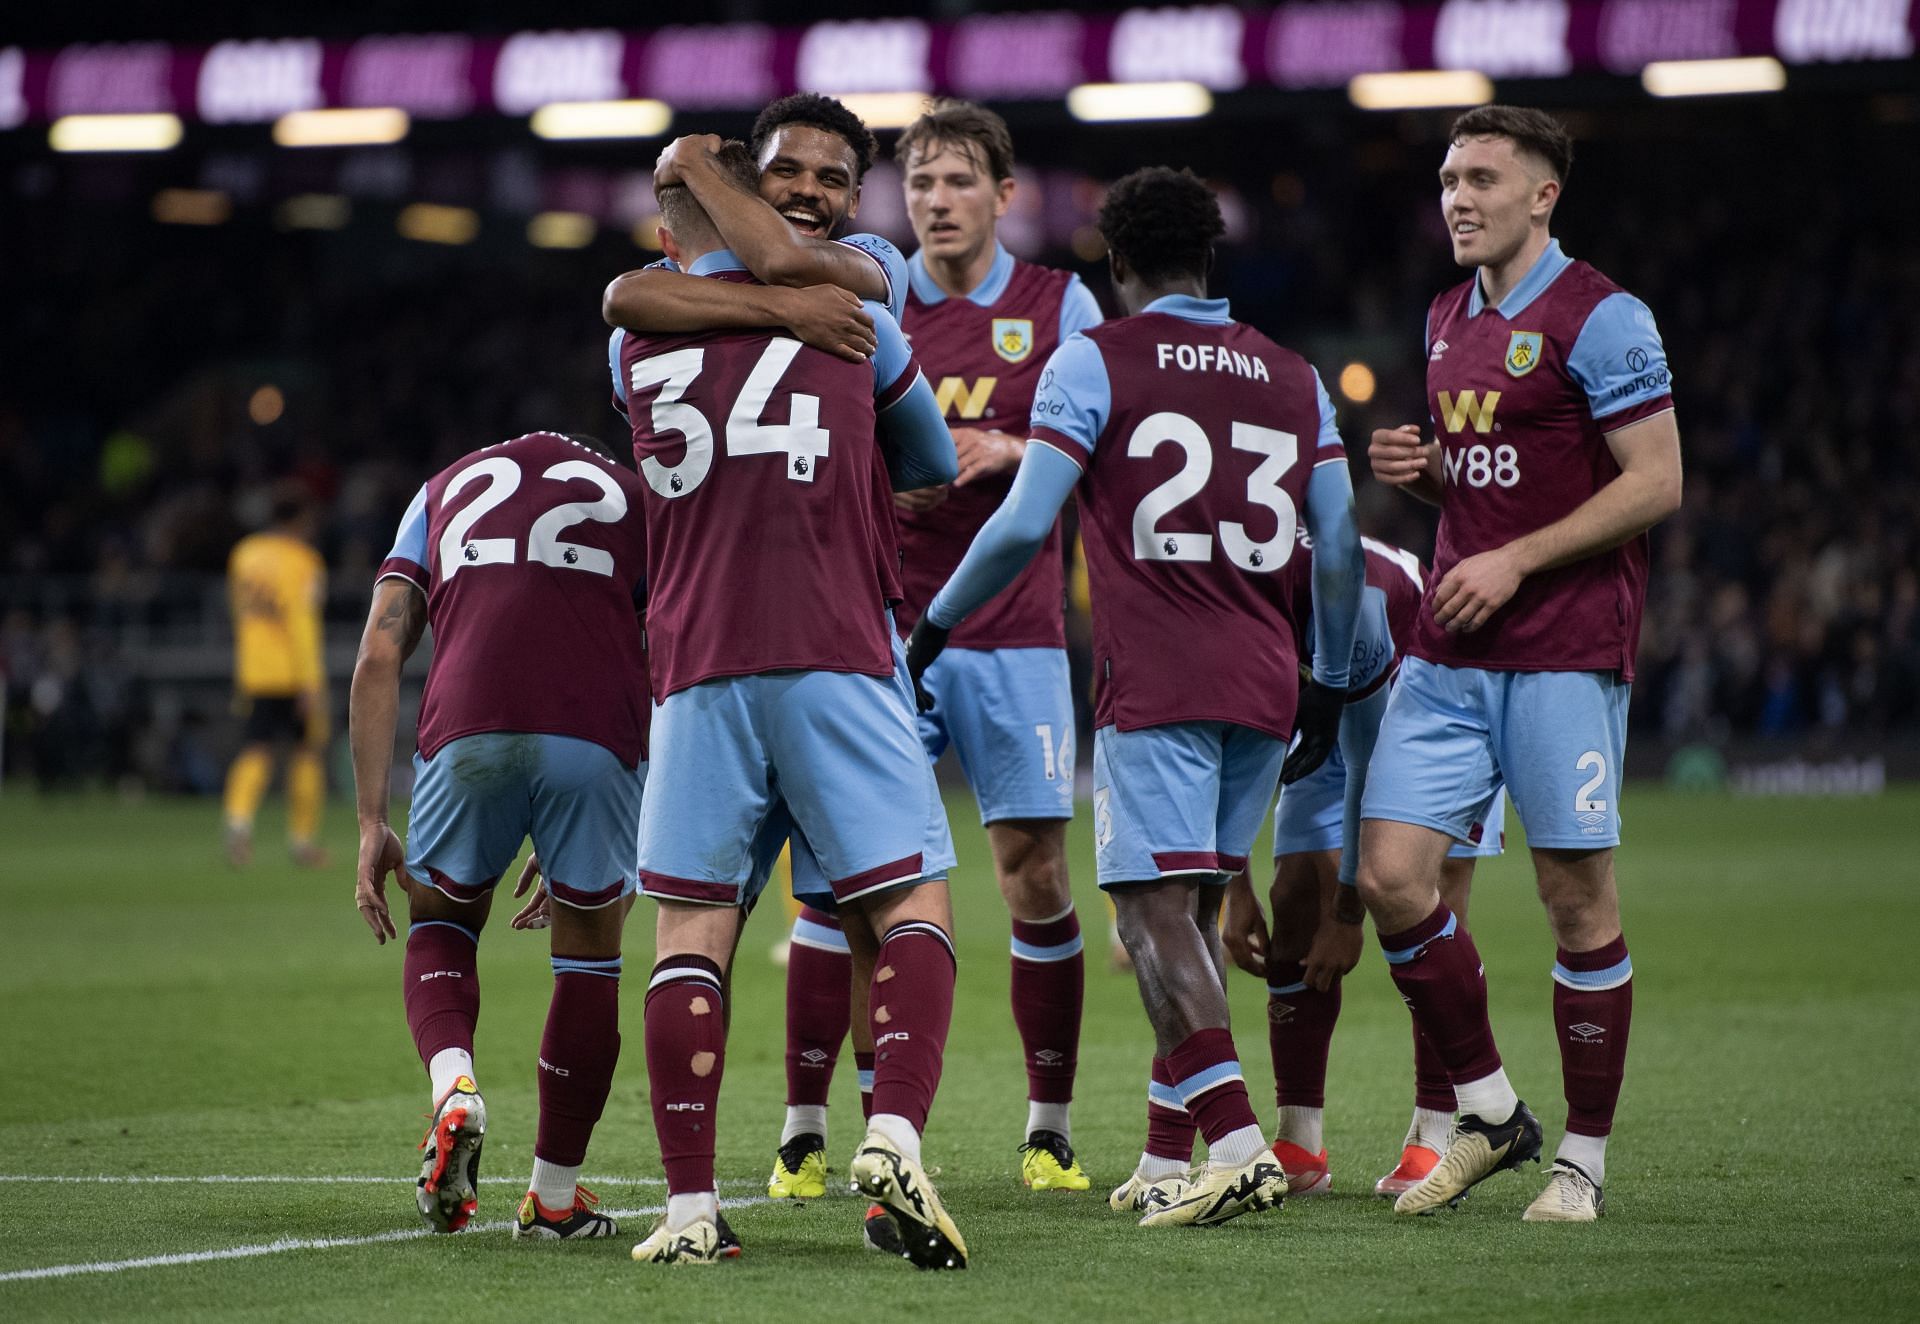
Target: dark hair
{"x": 592, "y": 443}
{"x": 822, "y": 113}
{"x": 974, "y": 130}
{"x": 291, "y": 501}
{"x": 1532, "y": 131}
{"x": 1162, "y": 222}
{"x": 682, "y": 213}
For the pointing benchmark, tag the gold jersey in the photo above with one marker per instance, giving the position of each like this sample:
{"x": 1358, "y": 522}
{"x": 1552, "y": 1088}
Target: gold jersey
{"x": 276, "y": 585}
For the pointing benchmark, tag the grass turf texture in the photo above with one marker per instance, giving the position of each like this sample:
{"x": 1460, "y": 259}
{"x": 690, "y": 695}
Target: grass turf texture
{"x": 167, "y": 1016}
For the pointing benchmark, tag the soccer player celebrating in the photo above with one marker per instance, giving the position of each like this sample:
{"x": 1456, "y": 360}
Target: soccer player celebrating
{"x": 276, "y": 587}
{"x": 1317, "y": 915}
{"x": 761, "y": 459}
{"x": 1183, "y": 430}
{"x": 1556, "y": 452}
{"x": 528, "y": 559}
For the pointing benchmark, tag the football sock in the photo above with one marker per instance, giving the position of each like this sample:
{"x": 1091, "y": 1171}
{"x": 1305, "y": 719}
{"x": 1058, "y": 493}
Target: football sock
{"x": 1302, "y": 1126}
{"x": 578, "y": 1052}
{"x": 1490, "y": 1098}
{"x": 441, "y": 989}
{"x": 306, "y": 793}
{"x": 1590, "y": 1152}
{"x": 1206, "y": 1075}
{"x": 1299, "y": 1030}
{"x": 900, "y": 1130}
{"x": 686, "y": 1036}
{"x": 445, "y": 1067}
{"x": 1048, "y": 988}
{"x": 863, "y": 1071}
{"x": 1592, "y": 1010}
{"x": 1170, "y": 1128}
{"x": 690, "y": 1207}
{"x": 804, "y": 1119}
{"x": 1432, "y": 1087}
{"x": 1431, "y": 1127}
{"x": 1437, "y": 970}
{"x": 912, "y": 1009}
{"x": 553, "y": 1185}
{"x": 819, "y": 1001}
{"x": 1049, "y": 1117}
{"x": 247, "y": 780}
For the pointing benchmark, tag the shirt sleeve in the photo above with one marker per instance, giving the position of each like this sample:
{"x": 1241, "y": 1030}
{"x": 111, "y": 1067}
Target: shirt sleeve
{"x": 615, "y": 343}
{"x": 1619, "y": 362}
{"x": 892, "y": 265}
{"x": 1073, "y": 401}
{"x": 1078, "y": 309}
{"x": 408, "y": 559}
{"x": 1010, "y": 538}
{"x": 894, "y": 366}
{"x": 1329, "y": 447}
{"x": 914, "y": 439}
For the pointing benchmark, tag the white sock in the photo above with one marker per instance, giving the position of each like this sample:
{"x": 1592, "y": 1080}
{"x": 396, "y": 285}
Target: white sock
{"x": 553, "y": 1184}
{"x": 1235, "y": 1149}
{"x": 683, "y": 1211}
{"x": 1302, "y": 1127}
{"x": 804, "y": 1119}
{"x": 447, "y": 1066}
{"x": 1490, "y": 1098}
{"x": 1153, "y": 1167}
{"x": 900, "y": 1131}
{"x": 1048, "y": 1117}
{"x": 1430, "y": 1128}
{"x": 1590, "y": 1152}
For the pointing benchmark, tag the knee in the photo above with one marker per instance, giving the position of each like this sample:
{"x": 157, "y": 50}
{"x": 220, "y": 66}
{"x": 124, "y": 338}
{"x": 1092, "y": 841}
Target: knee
{"x": 1033, "y": 880}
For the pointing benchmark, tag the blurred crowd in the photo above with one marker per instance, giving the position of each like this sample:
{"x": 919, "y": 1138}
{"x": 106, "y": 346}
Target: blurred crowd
{"x": 164, "y": 378}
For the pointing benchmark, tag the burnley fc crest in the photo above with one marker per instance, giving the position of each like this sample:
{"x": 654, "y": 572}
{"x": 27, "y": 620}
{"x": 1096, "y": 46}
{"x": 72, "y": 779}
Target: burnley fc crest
{"x": 1523, "y": 352}
{"x": 1012, "y": 338}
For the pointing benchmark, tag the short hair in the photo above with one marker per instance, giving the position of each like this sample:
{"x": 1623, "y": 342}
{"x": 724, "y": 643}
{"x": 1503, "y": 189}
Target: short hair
{"x": 821, "y": 112}
{"x": 1532, "y": 131}
{"x": 1162, "y": 222}
{"x": 976, "y": 131}
{"x": 592, "y": 443}
{"x": 682, "y": 213}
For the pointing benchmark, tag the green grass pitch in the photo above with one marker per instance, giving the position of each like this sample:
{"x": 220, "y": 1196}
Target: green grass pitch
{"x": 167, "y": 1017}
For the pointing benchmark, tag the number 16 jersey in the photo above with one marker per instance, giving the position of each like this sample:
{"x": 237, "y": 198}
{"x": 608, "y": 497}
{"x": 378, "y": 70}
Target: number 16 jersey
{"x": 1196, "y": 435}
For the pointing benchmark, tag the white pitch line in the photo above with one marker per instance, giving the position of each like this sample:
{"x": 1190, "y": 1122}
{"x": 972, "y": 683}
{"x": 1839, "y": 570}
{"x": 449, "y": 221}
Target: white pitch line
{"x": 285, "y": 1244}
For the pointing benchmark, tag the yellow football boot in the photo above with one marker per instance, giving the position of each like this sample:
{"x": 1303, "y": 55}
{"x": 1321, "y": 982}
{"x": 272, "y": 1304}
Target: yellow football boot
{"x": 1047, "y": 1164}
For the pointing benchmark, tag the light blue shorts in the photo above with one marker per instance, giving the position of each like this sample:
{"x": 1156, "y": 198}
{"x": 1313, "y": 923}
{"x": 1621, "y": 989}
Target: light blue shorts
{"x": 1453, "y": 734}
{"x": 482, "y": 795}
{"x": 840, "y": 751}
{"x": 1186, "y": 798}
{"x": 1311, "y": 816}
{"x": 1008, "y": 713}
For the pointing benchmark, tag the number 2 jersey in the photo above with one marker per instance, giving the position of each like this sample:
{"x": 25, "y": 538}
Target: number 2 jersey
{"x": 1523, "y": 396}
{"x": 768, "y": 513}
{"x": 1196, "y": 436}
{"x": 532, "y": 555}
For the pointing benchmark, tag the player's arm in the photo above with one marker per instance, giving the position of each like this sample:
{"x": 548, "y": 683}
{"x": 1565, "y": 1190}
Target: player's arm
{"x": 1336, "y": 946}
{"x": 909, "y": 425}
{"x": 656, "y": 301}
{"x": 1634, "y": 407}
{"x": 1401, "y": 459}
{"x": 1339, "y": 580}
{"x": 988, "y": 452}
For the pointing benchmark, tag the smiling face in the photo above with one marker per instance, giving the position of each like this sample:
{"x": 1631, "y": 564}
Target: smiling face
{"x": 953, "y": 202}
{"x": 807, "y": 174}
{"x": 1491, "y": 197}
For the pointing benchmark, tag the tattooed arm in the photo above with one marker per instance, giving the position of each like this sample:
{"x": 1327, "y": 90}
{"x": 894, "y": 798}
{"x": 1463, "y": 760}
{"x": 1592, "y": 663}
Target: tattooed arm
{"x": 393, "y": 631}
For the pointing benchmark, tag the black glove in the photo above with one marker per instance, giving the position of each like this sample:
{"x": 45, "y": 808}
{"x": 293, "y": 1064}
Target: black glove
{"x": 924, "y": 644}
{"x": 1317, "y": 722}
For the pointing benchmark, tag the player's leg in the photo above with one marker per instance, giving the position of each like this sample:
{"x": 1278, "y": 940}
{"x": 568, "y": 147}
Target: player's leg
{"x": 268, "y": 719}
{"x": 819, "y": 1006}
{"x": 307, "y": 790}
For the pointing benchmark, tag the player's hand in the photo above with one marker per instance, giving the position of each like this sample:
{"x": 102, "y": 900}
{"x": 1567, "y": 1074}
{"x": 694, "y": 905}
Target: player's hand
{"x": 1317, "y": 724}
{"x": 1474, "y": 590}
{"x": 1334, "y": 951}
{"x": 538, "y": 912}
{"x": 828, "y": 318}
{"x": 676, "y": 154}
{"x": 921, "y": 499}
{"x": 1398, "y": 455}
{"x": 1243, "y": 927}
{"x": 984, "y": 453}
{"x": 925, "y": 644}
{"x": 380, "y": 855}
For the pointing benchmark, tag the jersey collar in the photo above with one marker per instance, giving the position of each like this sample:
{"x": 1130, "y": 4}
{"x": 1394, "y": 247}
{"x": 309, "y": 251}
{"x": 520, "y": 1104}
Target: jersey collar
{"x": 1545, "y": 270}
{"x": 1190, "y": 309}
{"x": 987, "y": 293}
{"x": 720, "y": 259}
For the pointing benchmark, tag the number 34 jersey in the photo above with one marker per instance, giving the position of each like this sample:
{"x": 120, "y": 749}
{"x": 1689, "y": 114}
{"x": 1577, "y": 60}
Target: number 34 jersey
{"x": 1196, "y": 435}
{"x": 532, "y": 555}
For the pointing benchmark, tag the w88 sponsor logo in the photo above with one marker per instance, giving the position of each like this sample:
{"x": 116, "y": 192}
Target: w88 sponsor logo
{"x": 1480, "y": 464}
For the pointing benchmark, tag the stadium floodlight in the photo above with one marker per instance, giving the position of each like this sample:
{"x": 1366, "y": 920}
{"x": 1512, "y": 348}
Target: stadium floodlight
{"x": 1710, "y": 78}
{"x": 432, "y": 223}
{"x": 642, "y": 118}
{"x": 114, "y": 133}
{"x": 191, "y": 206}
{"x": 560, "y": 229}
{"x": 1357, "y": 382}
{"x": 364, "y": 126}
{"x": 885, "y": 110}
{"x": 1420, "y": 89}
{"x": 1104, "y": 103}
